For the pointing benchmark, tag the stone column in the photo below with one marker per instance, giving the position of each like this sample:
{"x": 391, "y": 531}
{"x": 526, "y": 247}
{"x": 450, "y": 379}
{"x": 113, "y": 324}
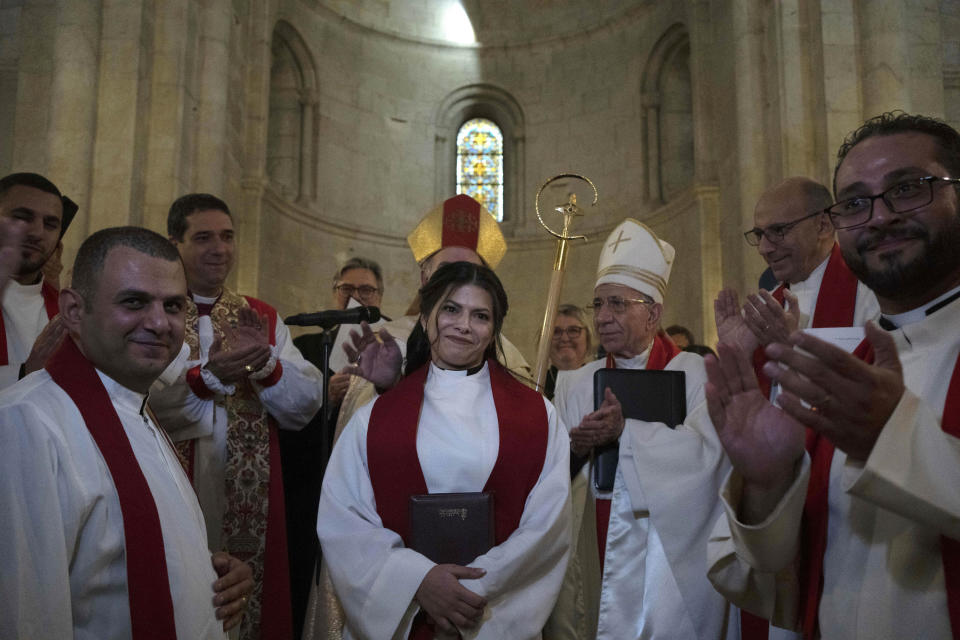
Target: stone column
{"x": 212, "y": 114}
{"x": 123, "y": 94}
{"x": 167, "y": 122}
{"x": 752, "y": 136}
{"x": 70, "y": 137}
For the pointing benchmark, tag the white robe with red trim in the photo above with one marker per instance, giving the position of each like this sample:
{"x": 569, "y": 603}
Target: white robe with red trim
{"x": 376, "y": 577}
{"x": 292, "y": 402}
{"x": 62, "y": 565}
{"x": 24, "y": 317}
{"x": 882, "y": 570}
{"x": 808, "y": 293}
{"x": 664, "y": 501}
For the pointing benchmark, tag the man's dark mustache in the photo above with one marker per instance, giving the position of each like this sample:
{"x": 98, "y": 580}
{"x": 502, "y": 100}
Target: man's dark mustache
{"x": 865, "y": 243}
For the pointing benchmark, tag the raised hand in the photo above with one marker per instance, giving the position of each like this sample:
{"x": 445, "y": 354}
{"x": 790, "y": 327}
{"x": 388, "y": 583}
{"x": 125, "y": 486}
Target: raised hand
{"x": 848, "y": 400}
{"x": 46, "y": 343}
{"x": 732, "y": 328}
{"x": 451, "y": 605}
{"x": 12, "y": 233}
{"x": 762, "y": 441}
{"x": 599, "y": 427}
{"x": 769, "y": 321}
{"x": 375, "y": 356}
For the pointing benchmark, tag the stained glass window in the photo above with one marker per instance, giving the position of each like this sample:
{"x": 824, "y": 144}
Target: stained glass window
{"x": 480, "y": 163}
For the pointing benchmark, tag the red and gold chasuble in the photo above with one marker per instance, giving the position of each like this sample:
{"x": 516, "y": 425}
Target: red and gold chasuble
{"x": 51, "y": 304}
{"x": 254, "y": 522}
{"x": 813, "y": 536}
{"x": 395, "y": 472}
{"x": 662, "y": 352}
{"x": 148, "y": 584}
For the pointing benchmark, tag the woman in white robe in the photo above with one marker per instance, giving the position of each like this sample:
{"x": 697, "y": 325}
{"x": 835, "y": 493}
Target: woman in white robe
{"x": 507, "y": 592}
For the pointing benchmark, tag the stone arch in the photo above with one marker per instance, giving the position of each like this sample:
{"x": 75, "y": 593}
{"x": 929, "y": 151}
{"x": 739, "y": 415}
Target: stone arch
{"x": 496, "y": 104}
{"x": 668, "y": 128}
{"x": 291, "y": 128}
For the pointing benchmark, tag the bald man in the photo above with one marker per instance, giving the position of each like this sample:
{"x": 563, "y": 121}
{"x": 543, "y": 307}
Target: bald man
{"x": 794, "y": 235}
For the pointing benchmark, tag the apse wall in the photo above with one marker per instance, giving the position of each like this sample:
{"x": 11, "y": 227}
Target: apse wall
{"x": 383, "y": 107}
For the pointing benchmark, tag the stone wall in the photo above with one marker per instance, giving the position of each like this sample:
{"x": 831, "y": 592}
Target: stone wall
{"x": 682, "y": 113}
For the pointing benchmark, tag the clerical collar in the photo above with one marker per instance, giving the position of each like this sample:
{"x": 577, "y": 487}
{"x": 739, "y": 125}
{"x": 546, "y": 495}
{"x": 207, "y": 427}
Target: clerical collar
{"x": 811, "y": 282}
{"x": 24, "y": 289}
{"x": 133, "y": 400}
{"x": 204, "y": 304}
{"x": 638, "y": 361}
{"x": 891, "y": 322}
{"x": 463, "y": 372}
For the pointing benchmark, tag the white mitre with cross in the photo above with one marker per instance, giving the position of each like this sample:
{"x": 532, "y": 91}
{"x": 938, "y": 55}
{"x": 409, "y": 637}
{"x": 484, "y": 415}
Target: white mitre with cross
{"x": 635, "y": 257}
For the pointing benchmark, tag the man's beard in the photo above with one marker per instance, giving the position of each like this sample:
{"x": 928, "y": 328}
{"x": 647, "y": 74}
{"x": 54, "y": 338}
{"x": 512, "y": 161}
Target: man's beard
{"x": 28, "y": 266}
{"x": 939, "y": 257}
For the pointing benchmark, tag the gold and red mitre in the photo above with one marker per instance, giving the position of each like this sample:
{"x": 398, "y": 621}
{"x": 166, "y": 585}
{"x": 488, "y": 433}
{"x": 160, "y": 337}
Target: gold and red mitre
{"x": 460, "y": 221}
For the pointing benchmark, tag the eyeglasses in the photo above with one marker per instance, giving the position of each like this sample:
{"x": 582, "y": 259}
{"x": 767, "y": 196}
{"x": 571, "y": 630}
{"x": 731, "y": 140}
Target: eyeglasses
{"x": 572, "y": 332}
{"x": 616, "y": 304}
{"x": 347, "y": 290}
{"x": 900, "y": 198}
{"x": 775, "y": 232}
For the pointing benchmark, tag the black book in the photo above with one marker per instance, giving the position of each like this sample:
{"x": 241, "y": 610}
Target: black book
{"x": 648, "y": 395}
{"x": 452, "y": 528}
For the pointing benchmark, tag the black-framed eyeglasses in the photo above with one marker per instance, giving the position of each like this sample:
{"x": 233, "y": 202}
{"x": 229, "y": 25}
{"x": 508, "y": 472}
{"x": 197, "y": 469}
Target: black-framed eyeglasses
{"x": 900, "y": 198}
{"x": 364, "y": 291}
{"x": 572, "y": 332}
{"x": 775, "y": 232}
{"x": 616, "y": 304}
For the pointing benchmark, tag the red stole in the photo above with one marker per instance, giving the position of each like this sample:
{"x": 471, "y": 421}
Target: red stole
{"x": 50, "y": 302}
{"x": 151, "y": 605}
{"x": 836, "y": 306}
{"x": 395, "y": 472}
{"x": 276, "y": 616}
{"x": 661, "y": 352}
{"x": 816, "y": 508}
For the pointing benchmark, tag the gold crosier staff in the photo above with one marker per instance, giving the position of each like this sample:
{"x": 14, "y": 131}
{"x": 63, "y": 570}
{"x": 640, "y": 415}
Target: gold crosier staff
{"x": 569, "y": 211}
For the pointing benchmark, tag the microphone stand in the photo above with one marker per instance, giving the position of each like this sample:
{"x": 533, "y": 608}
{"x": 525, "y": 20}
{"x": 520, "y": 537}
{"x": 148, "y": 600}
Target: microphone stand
{"x": 326, "y": 429}
{"x": 326, "y": 433}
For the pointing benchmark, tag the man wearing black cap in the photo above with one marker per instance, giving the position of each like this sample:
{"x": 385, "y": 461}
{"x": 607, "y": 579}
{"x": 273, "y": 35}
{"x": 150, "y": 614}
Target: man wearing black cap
{"x": 28, "y": 324}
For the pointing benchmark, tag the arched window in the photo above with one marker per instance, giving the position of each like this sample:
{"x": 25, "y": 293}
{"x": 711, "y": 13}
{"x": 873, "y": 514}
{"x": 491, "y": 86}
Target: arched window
{"x": 480, "y": 163}
{"x": 668, "y": 116}
{"x": 290, "y": 127}
{"x": 502, "y": 113}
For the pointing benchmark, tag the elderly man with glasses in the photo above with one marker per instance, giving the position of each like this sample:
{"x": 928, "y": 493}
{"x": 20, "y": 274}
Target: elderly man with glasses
{"x": 794, "y": 234}
{"x": 637, "y": 571}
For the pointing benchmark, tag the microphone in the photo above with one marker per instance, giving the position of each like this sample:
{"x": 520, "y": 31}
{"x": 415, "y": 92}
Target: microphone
{"x": 328, "y": 319}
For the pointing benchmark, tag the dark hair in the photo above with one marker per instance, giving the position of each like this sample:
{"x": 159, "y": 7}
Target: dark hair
{"x": 94, "y": 250}
{"x": 444, "y": 281}
{"x": 358, "y": 262}
{"x": 676, "y": 328}
{"x": 34, "y": 180}
{"x": 893, "y": 122}
{"x": 183, "y": 206}
{"x": 700, "y": 350}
